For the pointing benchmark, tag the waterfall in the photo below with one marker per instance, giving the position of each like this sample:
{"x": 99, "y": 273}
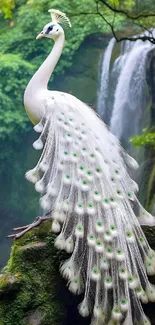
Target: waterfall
{"x": 123, "y": 92}
{"x": 104, "y": 80}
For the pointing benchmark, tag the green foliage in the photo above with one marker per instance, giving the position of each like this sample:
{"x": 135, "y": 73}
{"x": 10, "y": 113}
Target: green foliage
{"x": 123, "y": 4}
{"x": 14, "y": 73}
{"x": 6, "y": 7}
{"x": 139, "y": 16}
{"x": 144, "y": 139}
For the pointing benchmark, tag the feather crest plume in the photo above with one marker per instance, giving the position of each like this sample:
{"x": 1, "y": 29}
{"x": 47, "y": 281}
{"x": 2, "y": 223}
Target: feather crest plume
{"x": 60, "y": 17}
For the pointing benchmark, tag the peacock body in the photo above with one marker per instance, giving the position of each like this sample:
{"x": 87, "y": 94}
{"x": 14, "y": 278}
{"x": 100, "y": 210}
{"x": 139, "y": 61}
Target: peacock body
{"x": 83, "y": 176}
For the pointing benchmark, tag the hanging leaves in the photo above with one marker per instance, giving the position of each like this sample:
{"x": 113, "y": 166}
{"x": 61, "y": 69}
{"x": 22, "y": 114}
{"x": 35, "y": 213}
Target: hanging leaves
{"x": 114, "y": 3}
{"x": 6, "y": 7}
{"x": 145, "y": 139}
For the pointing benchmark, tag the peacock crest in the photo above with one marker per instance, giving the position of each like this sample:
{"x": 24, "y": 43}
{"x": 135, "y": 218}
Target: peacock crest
{"x": 60, "y": 17}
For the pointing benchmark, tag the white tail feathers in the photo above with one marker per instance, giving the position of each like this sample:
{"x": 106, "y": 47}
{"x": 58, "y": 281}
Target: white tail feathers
{"x": 117, "y": 314}
{"x": 32, "y": 176}
{"x": 124, "y": 305}
{"x": 38, "y": 127}
{"x": 39, "y": 186}
{"x": 67, "y": 269}
{"x": 75, "y": 285}
{"x": 69, "y": 245}
{"x": 144, "y": 298}
{"x": 85, "y": 187}
{"x": 150, "y": 291}
{"x": 84, "y": 308}
{"x": 60, "y": 242}
{"x": 38, "y": 144}
{"x": 131, "y": 162}
{"x": 55, "y": 226}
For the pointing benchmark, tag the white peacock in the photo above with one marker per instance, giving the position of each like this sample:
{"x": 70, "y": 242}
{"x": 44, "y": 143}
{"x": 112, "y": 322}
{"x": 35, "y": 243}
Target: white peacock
{"x": 82, "y": 175}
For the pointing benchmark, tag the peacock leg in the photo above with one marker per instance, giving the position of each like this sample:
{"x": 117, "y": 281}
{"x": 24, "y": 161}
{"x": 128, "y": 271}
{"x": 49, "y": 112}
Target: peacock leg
{"x": 25, "y": 229}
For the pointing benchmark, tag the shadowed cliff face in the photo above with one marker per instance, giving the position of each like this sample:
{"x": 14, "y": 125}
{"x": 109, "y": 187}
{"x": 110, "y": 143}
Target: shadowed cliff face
{"x": 146, "y": 154}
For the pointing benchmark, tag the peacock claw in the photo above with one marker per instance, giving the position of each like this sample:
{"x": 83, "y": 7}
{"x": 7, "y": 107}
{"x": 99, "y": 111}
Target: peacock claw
{"x": 38, "y": 220}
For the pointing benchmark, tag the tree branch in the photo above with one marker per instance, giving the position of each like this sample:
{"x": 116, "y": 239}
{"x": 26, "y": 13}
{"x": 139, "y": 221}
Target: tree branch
{"x": 133, "y": 39}
{"x": 149, "y": 37}
{"x": 123, "y": 12}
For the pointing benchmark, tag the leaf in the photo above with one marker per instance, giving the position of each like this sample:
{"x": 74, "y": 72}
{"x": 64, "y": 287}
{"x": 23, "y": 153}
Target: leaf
{"x": 114, "y": 3}
{"x": 6, "y": 7}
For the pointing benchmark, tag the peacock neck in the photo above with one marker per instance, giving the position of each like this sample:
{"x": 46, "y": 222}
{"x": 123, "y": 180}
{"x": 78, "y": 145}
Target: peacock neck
{"x": 41, "y": 77}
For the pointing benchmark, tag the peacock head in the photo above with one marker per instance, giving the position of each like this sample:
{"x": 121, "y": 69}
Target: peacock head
{"x": 53, "y": 29}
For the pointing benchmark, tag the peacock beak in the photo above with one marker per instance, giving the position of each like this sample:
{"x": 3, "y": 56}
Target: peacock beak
{"x": 41, "y": 35}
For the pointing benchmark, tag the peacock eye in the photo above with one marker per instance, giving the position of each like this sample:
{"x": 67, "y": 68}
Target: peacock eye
{"x": 49, "y": 29}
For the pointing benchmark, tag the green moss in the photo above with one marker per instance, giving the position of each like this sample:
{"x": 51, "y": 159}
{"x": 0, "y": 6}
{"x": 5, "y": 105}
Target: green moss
{"x": 29, "y": 285}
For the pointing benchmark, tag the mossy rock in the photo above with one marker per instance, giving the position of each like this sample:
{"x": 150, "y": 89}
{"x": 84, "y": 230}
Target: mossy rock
{"x": 32, "y": 291}
{"x": 29, "y": 286}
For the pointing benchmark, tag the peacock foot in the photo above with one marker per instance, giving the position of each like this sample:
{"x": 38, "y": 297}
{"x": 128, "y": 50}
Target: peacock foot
{"x": 22, "y": 230}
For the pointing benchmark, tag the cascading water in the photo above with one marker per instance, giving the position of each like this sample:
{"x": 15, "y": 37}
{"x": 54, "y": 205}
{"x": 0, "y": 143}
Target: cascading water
{"x": 104, "y": 80}
{"x": 123, "y": 92}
